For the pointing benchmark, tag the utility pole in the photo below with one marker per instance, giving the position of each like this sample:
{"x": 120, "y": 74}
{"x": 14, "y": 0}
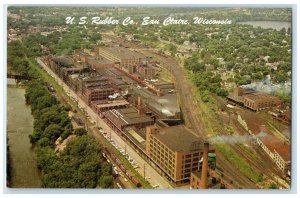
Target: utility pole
{"x": 125, "y": 150}
{"x": 97, "y": 120}
{"x": 144, "y": 171}
{"x": 86, "y": 115}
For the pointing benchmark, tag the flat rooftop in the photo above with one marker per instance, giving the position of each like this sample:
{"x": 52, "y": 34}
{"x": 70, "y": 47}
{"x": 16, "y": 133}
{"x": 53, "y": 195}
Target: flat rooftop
{"x": 98, "y": 60}
{"x": 260, "y": 96}
{"x": 112, "y": 103}
{"x": 100, "y": 89}
{"x": 179, "y": 138}
{"x": 167, "y": 104}
{"x": 129, "y": 116}
{"x": 91, "y": 78}
{"x": 122, "y": 52}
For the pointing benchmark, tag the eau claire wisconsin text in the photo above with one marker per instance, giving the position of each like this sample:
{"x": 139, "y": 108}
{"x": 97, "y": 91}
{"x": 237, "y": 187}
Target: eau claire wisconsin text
{"x": 145, "y": 21}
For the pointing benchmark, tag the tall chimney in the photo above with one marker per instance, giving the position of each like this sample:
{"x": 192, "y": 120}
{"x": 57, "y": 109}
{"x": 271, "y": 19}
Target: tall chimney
{"x": 204, "y": 166}
{"x": 140, "y": 106}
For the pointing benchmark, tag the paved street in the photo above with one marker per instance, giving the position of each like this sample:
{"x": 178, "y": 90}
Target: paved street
{"x": 156, "y": 178}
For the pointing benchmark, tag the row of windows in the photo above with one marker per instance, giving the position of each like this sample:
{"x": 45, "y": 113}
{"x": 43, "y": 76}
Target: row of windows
{"x": 166, "y": 163}
{"x": 167, "y": 168}
{"x": 156, "y": 143}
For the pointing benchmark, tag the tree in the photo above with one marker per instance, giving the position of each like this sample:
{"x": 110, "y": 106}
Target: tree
{"x": 273, "y": 186}
{"x": 79, "y": 165}
{"x": 106, "y": 181}
{"x": 80, "y": 131}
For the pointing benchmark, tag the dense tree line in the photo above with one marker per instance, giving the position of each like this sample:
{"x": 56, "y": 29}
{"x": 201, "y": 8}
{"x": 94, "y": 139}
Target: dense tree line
{"x": 51, "y": 118}
{"x": 207, "y": 81}
{"x": 80, "y": 164}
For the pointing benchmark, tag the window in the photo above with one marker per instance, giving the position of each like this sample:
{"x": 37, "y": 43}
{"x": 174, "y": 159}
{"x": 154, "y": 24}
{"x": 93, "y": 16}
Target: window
{"x": 188, "y": 156}
{"x": 195, "y": 164}
{"x": 195, "y": 168}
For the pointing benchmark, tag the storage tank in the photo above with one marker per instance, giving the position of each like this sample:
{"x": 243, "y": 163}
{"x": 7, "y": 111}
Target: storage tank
{"x": 211, "y": 157}
{"x": 212, "y": 160}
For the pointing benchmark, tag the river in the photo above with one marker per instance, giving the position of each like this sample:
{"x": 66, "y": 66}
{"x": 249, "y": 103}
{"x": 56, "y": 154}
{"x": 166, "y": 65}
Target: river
{"x": 25, "y": 173}
{"x": 277, "y": 25}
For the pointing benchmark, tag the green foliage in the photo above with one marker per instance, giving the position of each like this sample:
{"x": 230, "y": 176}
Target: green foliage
{"x": 105, "y": 181}
{"x": 80, "y": 165}
{"x": 239, "y": 162}
{"x": 207, "y": 81}
{"x": 273, "y": 186}
{"x": 260, "y": 177}
{"x": 172, "y": 48}
{"x": 193, "y": 64}
{"x": 80, "y": 132}
{"x": 66, "y": 133}
{"x": 51, "y": 119}
{"x": 280, "y": 77}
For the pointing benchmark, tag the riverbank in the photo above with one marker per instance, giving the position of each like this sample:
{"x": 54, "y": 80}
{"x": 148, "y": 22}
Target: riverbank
{"x": 23, "y": 167}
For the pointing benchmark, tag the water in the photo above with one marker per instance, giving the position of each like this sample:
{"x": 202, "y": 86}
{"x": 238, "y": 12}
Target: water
{"x": 25, "y": 173}
{"x": 277, "y": 25}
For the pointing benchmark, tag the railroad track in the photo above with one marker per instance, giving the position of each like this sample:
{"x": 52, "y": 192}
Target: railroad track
{"x": 192, "y": 120}
{"x": 188, "y": 103}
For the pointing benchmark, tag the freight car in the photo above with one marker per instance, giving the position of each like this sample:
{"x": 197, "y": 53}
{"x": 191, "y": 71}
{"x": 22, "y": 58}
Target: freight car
{"x": 129, "y": 174}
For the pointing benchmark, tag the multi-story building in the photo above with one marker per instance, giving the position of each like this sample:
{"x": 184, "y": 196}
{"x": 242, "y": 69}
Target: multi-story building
{"x": 58, "y": 63}
{"x": 118, "y": 119}
{"x": 98, "y": 62}
{"x": 105, "y": 105}
{"x": 97, "y": 94}
{"x": 175, "y": 150}
{"x": 253, "y": 100}
{"x": 121, "y": 55}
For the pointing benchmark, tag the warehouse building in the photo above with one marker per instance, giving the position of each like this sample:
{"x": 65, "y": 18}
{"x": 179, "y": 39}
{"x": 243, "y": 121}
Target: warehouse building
{"x": 175, "y": 150}
{"x": 120, "y": 55}
{"x": 118, "y": 119}
{"x": 278, "y": 151}
{"x": 96, "y": 94}
{"x": 104, "y": 105}
{"x": 98, "y": 62}
{"x": 253, "y": 100}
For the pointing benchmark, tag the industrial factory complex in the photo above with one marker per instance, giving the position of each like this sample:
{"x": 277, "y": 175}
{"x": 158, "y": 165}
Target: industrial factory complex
{"x": 122, "y": 87}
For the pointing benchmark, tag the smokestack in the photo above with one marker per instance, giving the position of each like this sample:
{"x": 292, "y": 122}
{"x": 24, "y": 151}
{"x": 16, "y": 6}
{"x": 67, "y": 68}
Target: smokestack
{"x": 140, "y": 106}
{"x": 204, "y": 166}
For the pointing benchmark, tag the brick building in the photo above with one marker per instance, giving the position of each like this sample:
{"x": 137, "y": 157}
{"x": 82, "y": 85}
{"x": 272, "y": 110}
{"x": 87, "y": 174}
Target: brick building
{"x": 253, "y": 100}
{"x": 175, "y": 150}
{"x": 278, "y": 151}
{"x": 96, "y": 94}
{"x": 120, "y": 118}
{"x": 123, "y": 56}
{"x": 146, "y": 71}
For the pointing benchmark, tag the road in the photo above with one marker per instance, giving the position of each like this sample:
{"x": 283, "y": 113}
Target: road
{"x": 187, "y": 103}
{"x": 156, "y": 178}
